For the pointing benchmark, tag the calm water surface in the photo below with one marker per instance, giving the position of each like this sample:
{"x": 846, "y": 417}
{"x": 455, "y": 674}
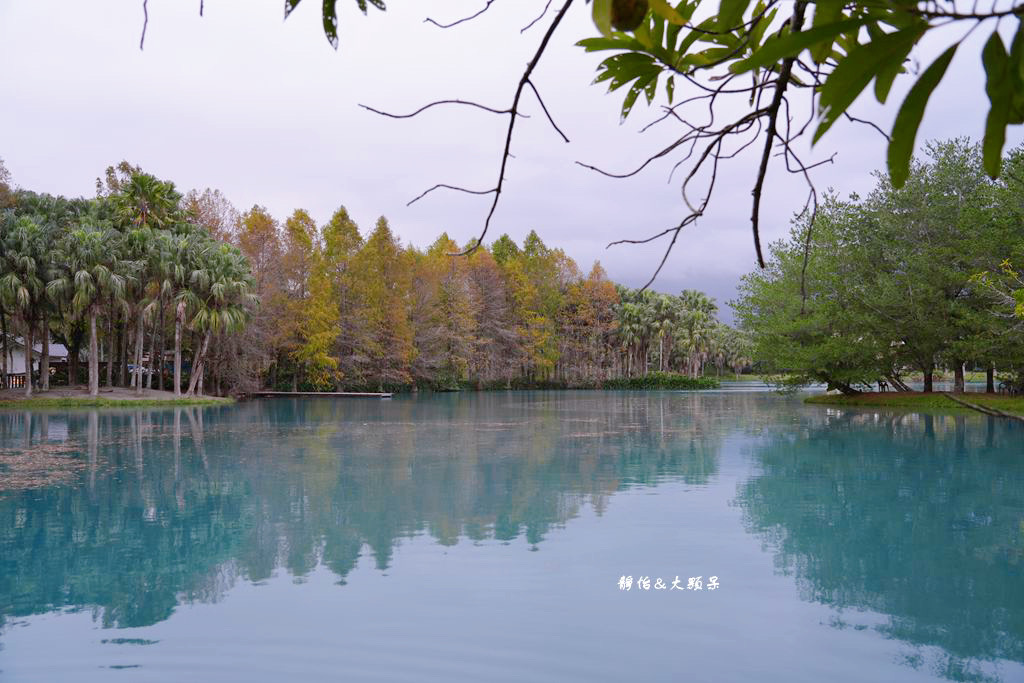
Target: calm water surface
{"x": 485, "y": 537}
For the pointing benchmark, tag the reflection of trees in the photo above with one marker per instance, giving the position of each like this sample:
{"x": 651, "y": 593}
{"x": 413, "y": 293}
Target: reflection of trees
{"x": 175, "y": 504}
{"x": 914, "y": 517}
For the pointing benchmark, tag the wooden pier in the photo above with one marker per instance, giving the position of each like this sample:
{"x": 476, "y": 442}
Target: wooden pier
{"x": 324, "y": 394}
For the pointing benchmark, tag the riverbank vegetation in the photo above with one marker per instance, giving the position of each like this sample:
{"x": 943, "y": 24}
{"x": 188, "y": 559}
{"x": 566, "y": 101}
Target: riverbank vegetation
{"x": 906, "y": 280}
{"x": 920, "y": 400}
{"x": 163, "y": 290}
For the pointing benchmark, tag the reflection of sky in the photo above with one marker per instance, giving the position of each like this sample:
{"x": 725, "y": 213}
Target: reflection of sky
{"x": 268, "y": 114}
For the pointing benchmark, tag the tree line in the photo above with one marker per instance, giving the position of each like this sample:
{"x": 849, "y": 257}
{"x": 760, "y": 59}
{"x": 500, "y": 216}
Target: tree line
{"x": 908, "y": 280}
{"x": 165, "y": 290}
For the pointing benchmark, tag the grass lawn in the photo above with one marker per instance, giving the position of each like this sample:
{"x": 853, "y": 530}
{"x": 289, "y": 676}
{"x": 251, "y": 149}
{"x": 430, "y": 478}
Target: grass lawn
{"x": 916, "y": 399}
{"x": 110, "y": 397}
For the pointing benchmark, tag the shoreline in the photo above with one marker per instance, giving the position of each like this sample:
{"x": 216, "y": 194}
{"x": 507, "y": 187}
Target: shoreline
{"x": 110, "y": 397}
{"x": 1014, "y": 406}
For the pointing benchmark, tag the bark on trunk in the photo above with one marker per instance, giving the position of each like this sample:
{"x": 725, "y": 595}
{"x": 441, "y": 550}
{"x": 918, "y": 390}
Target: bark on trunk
{"x": 958, "y": 377}
{"x": 28, "y": 359}
{"x": 110, "y": 346}
{"x": 152, "y": 356}
{"x": 44, "y": 366}
{"x": 6, "y": 351}
{"x": 928, "y": 379}
{"x": 898, "y": 383}
{"x": 197, "y": 366}
{"x": 73, "y": 351}
{"x": 160, "y": 349}
{"x": 178, "y": 315}
{"x": 122, "y": 368}
{"x": 140, "y": 334}
{"x": 990, "y": 379}
{"x": 94, "y": 363}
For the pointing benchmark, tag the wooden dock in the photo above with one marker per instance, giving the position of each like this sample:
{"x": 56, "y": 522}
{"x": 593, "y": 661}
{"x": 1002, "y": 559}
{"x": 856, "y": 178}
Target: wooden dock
{"x": 322, "y": 394}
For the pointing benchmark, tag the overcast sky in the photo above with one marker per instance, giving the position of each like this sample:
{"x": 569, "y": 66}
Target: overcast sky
{"x": 264, "y": 110}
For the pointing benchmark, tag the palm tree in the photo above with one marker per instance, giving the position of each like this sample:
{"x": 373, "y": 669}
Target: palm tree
{"x": 221, "y": 294}
{"x": 179, "y": 253}
{"x": 93, "y": 274}
{"x": 24, "y": 270}
{"x": 146, "y": 202}
{"x": 139, "y": 248}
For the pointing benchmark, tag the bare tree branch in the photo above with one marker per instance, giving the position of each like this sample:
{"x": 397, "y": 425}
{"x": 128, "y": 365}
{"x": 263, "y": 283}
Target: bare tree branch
{"x": 438, "y": 102}
{"x": 439, "y": 186}
{"x": 512, "y": 121}
{"x": 546, "y": 113}
{"x": 539, "y": 17}
{"x": 770, "y": 133}
{"x": 145, "y": 23}
{"x": 471, "y": 17}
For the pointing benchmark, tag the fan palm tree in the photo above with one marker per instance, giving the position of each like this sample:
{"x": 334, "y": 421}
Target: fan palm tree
{"x": 221, "y": 294}
{"x": 25, "y": 269}
{"x": 92, "y": 275}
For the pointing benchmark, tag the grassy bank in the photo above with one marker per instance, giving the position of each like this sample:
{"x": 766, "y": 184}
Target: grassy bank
{"x": 35, "y": 402}
{"x": 118, "y": 397}
{"x": 920, "y": 400}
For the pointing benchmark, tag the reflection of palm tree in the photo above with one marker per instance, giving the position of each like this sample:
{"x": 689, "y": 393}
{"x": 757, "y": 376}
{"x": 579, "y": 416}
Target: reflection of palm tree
{"x": 235, "y": 502}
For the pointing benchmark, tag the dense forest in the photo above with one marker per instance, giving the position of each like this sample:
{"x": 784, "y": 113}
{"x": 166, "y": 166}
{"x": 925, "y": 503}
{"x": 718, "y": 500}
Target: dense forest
{"x": 234, "y": 301}
{"x": 909, "y": 280}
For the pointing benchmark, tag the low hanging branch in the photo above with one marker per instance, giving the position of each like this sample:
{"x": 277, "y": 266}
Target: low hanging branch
{"x": 848, "y": 46}
{"x": 512, "y": 112}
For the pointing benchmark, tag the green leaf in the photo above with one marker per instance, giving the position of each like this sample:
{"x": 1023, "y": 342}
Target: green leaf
{"x": 730, "y": 14}
{"x": 289, "y": 5}
{"x": 670, "y": 88}
{"x": 331, "y": 23}
{"x": 826, "y": 12}
{"x": 664, "y": 10}
{"x": 854, "y": 73}
{"x": 602, "y": 14}
{"x": 886, "y": 76}
{"x": 642, "y": 33}
{"x": 999, "y": 88}
{"x": 791, "y": 44}
{"x": 908, "y": 120}
{"x": 1016, "y": 69}
{"x": 616, "y": 42}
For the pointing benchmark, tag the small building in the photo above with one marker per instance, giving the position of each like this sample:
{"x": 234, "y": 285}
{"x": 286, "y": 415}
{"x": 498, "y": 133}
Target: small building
{"x": 16, "y": 359}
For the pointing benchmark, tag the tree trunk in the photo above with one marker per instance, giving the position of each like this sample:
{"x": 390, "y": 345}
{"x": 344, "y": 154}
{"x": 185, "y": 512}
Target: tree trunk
{"x": 958, "y": 377}
{"x": 6, "y": 350}
{"x": 94, "y": 363}
{"x": 197, "y": 366}
{"x": 140, "y": 338}
{"x": 152, "y": 355}
{"x": 990, "y": 379}
{"x": 928, "y": 370}
{"x": 178, "y": 316}
{"x": 110, "y": 347}
{"x": 122, "y": 368}
{"x": 897, "y": 383}
{"x": 73, "y": 350}
{"x": 44, "y": 365}
{"x": 117, "y": 351}
{"x": 160, "y": 350}
{"x": 28, "y": 359}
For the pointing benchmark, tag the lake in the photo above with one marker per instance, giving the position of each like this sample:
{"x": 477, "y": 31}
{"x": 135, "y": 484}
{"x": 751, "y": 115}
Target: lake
{"x": 512, "y": 536}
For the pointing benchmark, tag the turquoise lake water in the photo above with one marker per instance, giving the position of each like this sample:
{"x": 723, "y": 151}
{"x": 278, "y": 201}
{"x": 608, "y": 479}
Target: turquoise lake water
{"x": 491, "y": 536}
